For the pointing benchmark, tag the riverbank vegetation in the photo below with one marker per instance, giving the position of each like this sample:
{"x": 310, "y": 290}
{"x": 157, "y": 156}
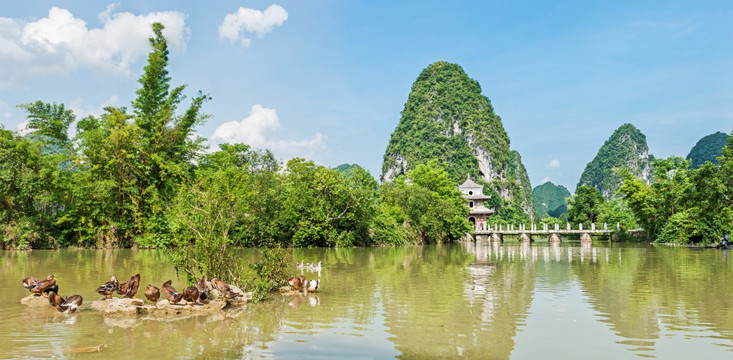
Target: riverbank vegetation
{"x": 141, "y": 177}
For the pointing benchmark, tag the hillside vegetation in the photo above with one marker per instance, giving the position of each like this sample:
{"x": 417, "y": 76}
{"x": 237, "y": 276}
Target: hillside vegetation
{"x": 626, "y": 148}
{"x": 549, "y": 199}
{"x": 446, "y": 118}
{"x": 709, "y": 148}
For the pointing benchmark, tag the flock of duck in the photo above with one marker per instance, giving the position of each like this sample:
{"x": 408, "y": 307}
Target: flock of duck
{"x": 191, "y": 295}
{"x": 300, "y": 283}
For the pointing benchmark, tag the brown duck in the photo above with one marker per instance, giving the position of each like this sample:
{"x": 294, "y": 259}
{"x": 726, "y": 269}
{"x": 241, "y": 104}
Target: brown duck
{"x": 297, "y": 282}
{"x": 152, "y": 293}
{"x": 226, "y": 291}
{"x": 108, "y": 288}
{"x": 203, "y": 290}
{"x": 30, "y": 282}
{"x": 191, "y": 294}
{"x": 43, "y": 287}
{"x": 70, "y": 304}
{"x": 132, "y": 286}
{"x": 171, "y": 293}
{"x": 54, "y": 299}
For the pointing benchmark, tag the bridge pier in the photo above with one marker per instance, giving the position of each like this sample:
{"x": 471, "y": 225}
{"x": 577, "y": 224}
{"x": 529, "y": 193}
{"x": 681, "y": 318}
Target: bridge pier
{"x": 585, "y": 238}
{"x": 554, "y": 238}
{"x": 525, "y": 237}
{"x": 496, "y": 237}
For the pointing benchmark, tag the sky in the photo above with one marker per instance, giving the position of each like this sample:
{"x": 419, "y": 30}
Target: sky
{"x": 327, "y": 79}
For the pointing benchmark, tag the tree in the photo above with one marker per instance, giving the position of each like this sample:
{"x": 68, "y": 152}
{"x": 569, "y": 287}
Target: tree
{"x": 427, "y": 204}
{"x": 322, "y": 207}
{"x": 29, "y": 192}
{"x": 583, "y": 207}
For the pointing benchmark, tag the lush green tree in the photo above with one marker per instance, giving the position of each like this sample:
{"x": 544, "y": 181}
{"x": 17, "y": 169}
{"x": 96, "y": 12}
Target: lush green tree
{"x": 202, "y": 218}
{"x": 655, "y": 203}
{"x": 583, "y": 207}
{"x": 49, "y": 120}
{"x": 322, "y": 207}
{"x": 427, "y": 204}
{"x": 615, "y": 211}
{"x": 261, "y": 188}
{"x": 29, "y": 193}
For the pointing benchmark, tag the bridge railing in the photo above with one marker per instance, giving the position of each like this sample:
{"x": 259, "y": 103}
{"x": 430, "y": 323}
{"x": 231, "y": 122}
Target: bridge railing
{"x": 481, "y": 227}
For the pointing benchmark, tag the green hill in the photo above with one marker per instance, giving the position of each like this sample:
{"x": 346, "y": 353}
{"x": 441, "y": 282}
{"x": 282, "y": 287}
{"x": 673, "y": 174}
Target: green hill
{"x": 625, "y": 148}
{"x": 447, "y": 118}
{"x": 549, "y": 199}
{"x": 346, "y": 169}
{"x": 708, "y": 149}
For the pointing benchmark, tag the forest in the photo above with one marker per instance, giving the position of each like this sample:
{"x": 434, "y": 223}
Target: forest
{"x": 138, "y": 177}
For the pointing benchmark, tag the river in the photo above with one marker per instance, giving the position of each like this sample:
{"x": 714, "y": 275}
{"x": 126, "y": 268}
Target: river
{"x": 481, "y": 301}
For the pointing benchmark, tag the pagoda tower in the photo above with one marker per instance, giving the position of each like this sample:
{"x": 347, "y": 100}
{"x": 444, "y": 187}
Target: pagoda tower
{"x": 474, "y": 195}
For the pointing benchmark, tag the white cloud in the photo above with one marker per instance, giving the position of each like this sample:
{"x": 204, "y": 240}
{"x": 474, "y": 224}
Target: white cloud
{"x": 545, "y": 179}
{"x": 23, "y": 129}
{"x": 253, "y": 21}
{"x": 81, "y": 109}
{"x": 252, "y": 131}
{"x": 61, "y": 43}
{"x": 553, "y": 164}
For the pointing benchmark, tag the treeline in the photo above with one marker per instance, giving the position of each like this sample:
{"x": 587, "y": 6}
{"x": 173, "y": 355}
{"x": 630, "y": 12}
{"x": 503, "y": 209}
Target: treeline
{"x": 139, "y": 177}
{"x": 680, "y": 205}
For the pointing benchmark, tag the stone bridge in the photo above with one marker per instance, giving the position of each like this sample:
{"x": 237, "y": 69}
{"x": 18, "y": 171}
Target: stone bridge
{"x": 497, "y": 232}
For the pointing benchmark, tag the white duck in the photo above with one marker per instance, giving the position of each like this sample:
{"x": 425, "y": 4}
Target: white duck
{"x": 312, "y": 285}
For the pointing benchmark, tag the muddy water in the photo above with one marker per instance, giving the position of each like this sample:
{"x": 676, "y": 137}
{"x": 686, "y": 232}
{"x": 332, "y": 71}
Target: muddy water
{"x": 484, "y": 301}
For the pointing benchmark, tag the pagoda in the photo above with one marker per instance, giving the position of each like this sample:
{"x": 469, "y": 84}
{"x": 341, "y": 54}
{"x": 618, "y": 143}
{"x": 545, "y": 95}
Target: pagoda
{"x": 474, "y": 195}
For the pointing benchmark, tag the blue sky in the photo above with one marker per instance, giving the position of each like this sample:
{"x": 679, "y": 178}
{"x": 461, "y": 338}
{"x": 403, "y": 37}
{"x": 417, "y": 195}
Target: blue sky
{"x": 326, "y": 80}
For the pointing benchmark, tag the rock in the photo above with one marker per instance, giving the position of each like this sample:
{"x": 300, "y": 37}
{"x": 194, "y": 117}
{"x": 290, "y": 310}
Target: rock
{"x": 35, "y": 300}
{"x": 117, "y": 306}
{"x": 162, "y": 309}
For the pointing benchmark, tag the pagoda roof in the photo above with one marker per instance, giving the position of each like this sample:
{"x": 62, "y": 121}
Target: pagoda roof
{"x": 481, "y": 210}
{"x": 469, "y": 183}
{"x": 477, "y": 197}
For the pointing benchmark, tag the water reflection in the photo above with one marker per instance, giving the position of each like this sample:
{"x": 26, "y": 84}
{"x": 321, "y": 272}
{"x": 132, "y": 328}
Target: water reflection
{"x": 471, "y": 300}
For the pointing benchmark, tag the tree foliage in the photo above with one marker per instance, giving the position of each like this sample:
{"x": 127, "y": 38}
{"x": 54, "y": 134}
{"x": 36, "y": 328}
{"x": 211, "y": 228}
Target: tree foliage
{"x": 684, "y": 205}
{"x": 428, "y": 204}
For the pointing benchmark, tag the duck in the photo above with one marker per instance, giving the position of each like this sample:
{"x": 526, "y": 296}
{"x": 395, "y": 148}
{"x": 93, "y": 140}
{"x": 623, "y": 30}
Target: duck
{"x": 226, "y": 291}
{"x": 203, "y": 288}
{"x": 300, "y": 266}
{"x": 297, "y": 282}
{"x": 108, "y": 288}
{"x": 316, "y": 267}
{"x": 191, "y": 295}
{"x": 30, "y": 282}
{"x": 54, "y": 288}
{"x": 54, "y": 299}
{"x": 70, "y": 304}
{"x": 313, "y": 285}
{"x": 152, "y": 293}
{"x": 132, "y": 286}
{"x": 171, "y": 293}
{"x": 43, "y": 287}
